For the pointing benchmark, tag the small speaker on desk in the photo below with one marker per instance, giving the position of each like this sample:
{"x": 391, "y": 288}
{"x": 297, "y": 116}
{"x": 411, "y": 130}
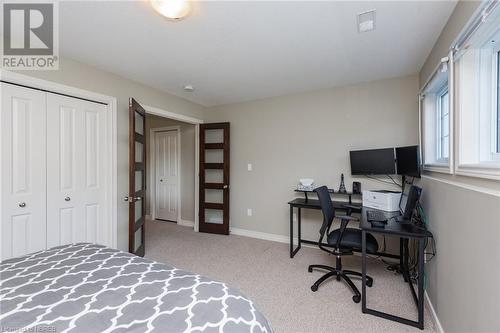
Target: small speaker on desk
{"x": 356, "y": 187}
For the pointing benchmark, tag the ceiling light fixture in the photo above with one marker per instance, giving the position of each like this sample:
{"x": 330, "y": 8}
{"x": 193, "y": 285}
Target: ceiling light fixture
{"x": 366, "y": 21}
{"x": 189, "y": 88}
{"x": 172, "y": 9}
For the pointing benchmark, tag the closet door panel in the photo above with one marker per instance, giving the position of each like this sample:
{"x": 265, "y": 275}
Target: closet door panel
{"x": 75, "y": 170}
{"x": 22, "y": 181}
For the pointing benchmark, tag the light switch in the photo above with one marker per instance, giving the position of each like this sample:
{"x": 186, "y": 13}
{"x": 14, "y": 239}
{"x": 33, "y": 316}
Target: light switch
{"x": 249, "y": 166}
{"x": 249, "y": 212}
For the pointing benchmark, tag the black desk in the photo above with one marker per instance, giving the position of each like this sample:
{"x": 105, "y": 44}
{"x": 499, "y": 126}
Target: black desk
{"x": 307, "y": 203}
{"x": 405, "y": 231}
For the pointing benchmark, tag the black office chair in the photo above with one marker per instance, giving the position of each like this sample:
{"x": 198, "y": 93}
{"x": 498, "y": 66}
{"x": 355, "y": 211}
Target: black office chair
{"x": 344, "y": 240}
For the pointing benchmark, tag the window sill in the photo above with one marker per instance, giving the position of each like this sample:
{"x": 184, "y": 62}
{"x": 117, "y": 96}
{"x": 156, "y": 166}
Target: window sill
{"x": 480, "y": 170}
{"x": 442, "y": 168}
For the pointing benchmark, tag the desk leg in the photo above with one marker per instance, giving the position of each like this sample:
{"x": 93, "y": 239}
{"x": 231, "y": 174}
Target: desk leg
{"x": 292, "y": 250}
{"x": 291, "y": 232}
{"x": 299, "y": 224}
{"x": 404, "y": 257}
{"x": 363, "y": 271}
{"x": 407, "y": 256}
{"x": 421, "y": 277}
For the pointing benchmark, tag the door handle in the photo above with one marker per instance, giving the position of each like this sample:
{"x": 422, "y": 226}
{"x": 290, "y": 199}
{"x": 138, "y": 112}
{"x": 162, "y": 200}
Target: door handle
{"x": 22, "y": 204}
{"x": 132, "y": 199}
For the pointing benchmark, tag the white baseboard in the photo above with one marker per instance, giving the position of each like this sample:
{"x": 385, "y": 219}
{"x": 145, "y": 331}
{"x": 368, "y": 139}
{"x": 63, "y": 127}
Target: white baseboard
{"x": 186, "y": 223}
{"x": 267, "y": 236}
{"x": 434, "y": 316}
{"x": 261, "y": 235}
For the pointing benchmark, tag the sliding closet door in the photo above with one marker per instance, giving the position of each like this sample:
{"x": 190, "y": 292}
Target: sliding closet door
{"x": 75, "y": 171}
{"x": 22, "y": 181}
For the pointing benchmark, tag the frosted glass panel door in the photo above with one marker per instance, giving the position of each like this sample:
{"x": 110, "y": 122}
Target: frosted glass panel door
{"x": 137, "y": 179}
{"x": 76, "y": 193}
{"x": 214, "y": 178}
{"x": 22, "y": 181}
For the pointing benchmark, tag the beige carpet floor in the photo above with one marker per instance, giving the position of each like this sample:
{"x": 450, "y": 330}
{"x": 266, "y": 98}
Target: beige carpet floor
{"x": 280, "y": 286}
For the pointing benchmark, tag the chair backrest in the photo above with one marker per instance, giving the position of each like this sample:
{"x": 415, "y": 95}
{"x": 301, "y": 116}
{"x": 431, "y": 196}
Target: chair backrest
{"x": 326, "y": 207}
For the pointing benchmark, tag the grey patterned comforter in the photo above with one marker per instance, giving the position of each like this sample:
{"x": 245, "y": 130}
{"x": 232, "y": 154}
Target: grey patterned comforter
{"x": 92, "y": 288}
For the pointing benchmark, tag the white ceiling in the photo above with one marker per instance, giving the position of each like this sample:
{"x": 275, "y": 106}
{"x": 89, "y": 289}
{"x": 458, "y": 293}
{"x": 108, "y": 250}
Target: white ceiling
{"x": 238, "y": 51}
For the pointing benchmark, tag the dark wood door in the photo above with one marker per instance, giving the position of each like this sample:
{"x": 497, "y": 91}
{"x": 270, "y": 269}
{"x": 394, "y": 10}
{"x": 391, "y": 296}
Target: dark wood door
{"x": 214, "y": 178}
{"x": 137, "y": 178}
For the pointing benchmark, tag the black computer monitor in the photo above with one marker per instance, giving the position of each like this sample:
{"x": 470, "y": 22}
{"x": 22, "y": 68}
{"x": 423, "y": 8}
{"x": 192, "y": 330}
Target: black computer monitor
{"x": 373, "y": 162}
{"x": 408, "y": 201}
{"x": 408, "y": 161}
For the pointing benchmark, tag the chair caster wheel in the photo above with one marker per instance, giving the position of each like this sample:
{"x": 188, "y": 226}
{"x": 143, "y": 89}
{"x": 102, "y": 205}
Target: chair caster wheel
{"x": 356, "y": 298}
{"x": 314, "y": 287}
{"x": 310, "y": 270}
{"x": 338, "y": 277}
{"x": 369, "y": 283}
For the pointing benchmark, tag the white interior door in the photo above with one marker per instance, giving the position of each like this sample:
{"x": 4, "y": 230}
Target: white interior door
{"x": 22, "y": 181}
{"x": 167, "y": 175}
{"x": 76, "y": 190}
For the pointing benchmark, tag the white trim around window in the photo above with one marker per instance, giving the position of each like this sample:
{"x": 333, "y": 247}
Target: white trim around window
{"x": 477, "y": 104}
{"x": 431, "y": 103}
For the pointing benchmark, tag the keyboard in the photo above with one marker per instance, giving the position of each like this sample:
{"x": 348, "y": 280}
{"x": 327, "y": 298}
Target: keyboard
{"x": 376, "y": 215}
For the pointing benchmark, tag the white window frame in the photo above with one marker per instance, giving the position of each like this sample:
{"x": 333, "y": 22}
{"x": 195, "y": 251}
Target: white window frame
{"x": 487, "y": 163}
{"x": 439, "y": 125}
{"x": 495, "y": 114}
{"x": 434, "y": 164}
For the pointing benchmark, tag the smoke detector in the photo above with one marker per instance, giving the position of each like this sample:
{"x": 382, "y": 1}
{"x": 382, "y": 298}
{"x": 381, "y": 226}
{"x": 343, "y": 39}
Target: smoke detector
{"x": 366, "y": 21}
{"x": 189, "y": 88}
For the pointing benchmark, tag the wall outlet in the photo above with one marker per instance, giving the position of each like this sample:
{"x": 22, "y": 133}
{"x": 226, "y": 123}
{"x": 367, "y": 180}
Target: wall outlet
{"x": 249, "y": 166}
{"x": 249, "y": 212}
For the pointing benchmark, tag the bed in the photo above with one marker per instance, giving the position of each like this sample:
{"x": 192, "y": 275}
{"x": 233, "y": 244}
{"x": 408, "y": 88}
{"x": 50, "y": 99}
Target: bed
{"x": 92, "y": 288}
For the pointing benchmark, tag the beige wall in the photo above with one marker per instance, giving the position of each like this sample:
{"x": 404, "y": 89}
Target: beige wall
{"x": 462, "y": 278}
{"x": 309, "y": 135}
{"x": 187, "y": 163}
{"x": 82, "y": 76}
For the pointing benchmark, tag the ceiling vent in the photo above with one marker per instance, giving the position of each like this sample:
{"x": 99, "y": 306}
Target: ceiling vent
{"x": 366, "y": 21}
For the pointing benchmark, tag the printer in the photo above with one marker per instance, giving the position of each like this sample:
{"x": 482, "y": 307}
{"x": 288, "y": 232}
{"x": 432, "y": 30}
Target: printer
{"x": 382, "y": 199}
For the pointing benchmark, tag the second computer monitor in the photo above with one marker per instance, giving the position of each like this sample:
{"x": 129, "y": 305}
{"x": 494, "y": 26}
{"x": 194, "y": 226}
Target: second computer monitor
{"x": 408, "y": 161}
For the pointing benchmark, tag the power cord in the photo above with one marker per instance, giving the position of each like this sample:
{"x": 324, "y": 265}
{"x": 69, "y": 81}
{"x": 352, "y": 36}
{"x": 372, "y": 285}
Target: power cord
{"x": 392, "y": 182}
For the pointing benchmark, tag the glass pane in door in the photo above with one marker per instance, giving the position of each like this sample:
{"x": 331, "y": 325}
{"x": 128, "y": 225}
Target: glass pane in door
{"x": 139, "y": 152}
{"x": 138, "y": 210}
{"x": 137, "y": 239}
{"x": 139, "y": 123}
{"x": 214, "y": 176}
{"x": 214, "y": 136}
{"x": 138, "y": 180}
{"x": 213, "y": 216}
{"x": 214, "y": 156}
{"x": 214, "y": 196}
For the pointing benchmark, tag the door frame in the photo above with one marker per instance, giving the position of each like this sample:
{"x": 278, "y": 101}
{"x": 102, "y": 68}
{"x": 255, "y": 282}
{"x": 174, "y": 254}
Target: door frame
{"x": 152, "y": 168}
{"x": 111, "y": 177}
{"x": 196, "y": 122}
